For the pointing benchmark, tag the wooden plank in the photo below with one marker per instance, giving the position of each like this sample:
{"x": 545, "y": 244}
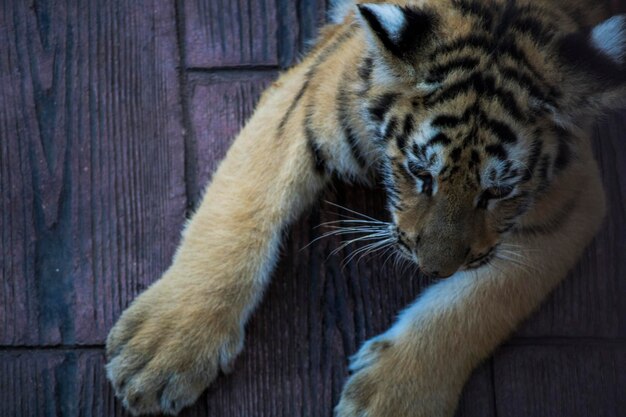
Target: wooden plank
{"x": 67, "y": 383}
{"x": 91, "y": 164}
{"x": 222, "y": 33}
{"x": 72, "y": 383}
{"x": 478, "y": 398}
{"x": 554, "y": 381}
{"x": 590, "y": 302}
{"x": 617, "y": 6}
{"x": 218, "y": 106}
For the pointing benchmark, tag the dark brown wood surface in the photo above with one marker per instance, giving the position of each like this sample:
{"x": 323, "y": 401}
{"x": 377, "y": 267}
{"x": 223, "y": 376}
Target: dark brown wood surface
{"x": 113, "y": 116}
{"x": 91, "y": 164}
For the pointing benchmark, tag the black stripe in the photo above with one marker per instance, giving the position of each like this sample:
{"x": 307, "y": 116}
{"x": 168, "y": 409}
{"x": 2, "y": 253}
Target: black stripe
{"x": 414, "y": 168}
{"x": 509, "y": 48}
{"x": 511, "y": 174}
{"x": 419, "y": 151}
{"x": 564, "y": 153}
{"x": 542, "y": 171}
{"x": 382, "y": 105}
{"x": 344, "y": 122}
{"x": 450, "y": 121}
{"x": 365, "y": 74}
{"x": 505, "y": 18}
{"x": 476, "y": 9}
{"x": 292, "y": 106}
{"x": 319, "y": 161}
{"x": 460, "y": 87}
{"x": 497, "y": 150}
{"x": 483, "y": 86}
{"x": 311, "y": 72}
{"x": 446, "y": 120}
{"x": 455, "y": 154}
{"x": 533, "y": 28}
{"x": 439, "y": 72}
{"x": 365, "y": 69}
{"x": 527, "y": 83}
{"x": 390, "y": 129}
{"x": 401, "y": 142}
{"x": 481, "y": 42}
{"x": 501, "y": 130}
{"x": 354, "y": 147}
{"x": 475, "y": 157}
{"x": 439, "y": 139}
{"x": 409, "y": 125}
{"x": 508, "y": 103}
{"x": 407, "y": 128}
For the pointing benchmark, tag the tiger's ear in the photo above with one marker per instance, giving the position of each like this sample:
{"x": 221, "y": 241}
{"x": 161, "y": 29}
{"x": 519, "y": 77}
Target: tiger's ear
{"x": 595, "y": 65}
{"x": 401, "y": 31}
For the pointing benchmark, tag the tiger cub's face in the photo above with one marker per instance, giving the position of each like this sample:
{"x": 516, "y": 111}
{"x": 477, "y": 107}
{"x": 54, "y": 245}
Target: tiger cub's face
{"x": 473, "y": 104}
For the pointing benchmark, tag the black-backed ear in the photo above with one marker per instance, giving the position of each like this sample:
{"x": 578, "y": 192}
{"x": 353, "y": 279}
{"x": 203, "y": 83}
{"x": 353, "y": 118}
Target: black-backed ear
{"x": 402, "y": 31}
{"x": 595, "y": 60}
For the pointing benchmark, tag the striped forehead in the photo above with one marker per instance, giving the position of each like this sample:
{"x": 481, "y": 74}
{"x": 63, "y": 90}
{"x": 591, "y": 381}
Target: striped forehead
{"x": 488, "y": 161}
{"x": 425, "y": 147}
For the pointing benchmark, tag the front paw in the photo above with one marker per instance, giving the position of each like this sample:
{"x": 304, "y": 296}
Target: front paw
{"x": 167, "y": 347}
{"x": 390, "y": 380}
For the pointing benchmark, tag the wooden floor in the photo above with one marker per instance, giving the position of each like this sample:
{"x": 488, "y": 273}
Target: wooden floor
{"x": 112, "y": 117}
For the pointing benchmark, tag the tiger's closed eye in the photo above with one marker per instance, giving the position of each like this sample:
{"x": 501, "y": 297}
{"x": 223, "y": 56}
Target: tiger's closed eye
{"x": 498, "y": 192}
{"x": 418, "y": 172}
{"x": 424, "y": 176}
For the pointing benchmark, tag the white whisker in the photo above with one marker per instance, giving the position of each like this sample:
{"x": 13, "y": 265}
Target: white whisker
{"x": 352, "y": 211}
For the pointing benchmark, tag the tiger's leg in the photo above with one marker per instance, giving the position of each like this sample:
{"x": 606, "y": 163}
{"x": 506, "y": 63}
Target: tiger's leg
{"x": 419, "y": 366}
{"x": 175, "y": 337}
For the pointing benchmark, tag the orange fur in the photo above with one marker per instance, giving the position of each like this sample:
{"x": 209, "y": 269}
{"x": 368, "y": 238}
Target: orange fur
{"x": 171, "y": 342}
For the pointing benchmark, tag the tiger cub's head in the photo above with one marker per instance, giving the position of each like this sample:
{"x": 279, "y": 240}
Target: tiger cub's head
{"x": 474, "y": 103}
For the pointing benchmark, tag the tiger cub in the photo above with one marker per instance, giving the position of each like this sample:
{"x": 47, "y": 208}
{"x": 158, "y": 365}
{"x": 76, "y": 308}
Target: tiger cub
{"x": 474, "y": 115}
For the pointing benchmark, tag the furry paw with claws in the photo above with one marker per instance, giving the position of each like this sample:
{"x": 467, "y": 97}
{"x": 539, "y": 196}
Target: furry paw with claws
{"x": 168, "y": 347}
{"x": 389, "y": 380}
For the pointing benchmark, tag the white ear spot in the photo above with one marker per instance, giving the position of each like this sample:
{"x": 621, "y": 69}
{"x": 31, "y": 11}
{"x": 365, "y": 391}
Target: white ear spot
{"x": 390, "y": 17}
{"x": 610, "y": 38}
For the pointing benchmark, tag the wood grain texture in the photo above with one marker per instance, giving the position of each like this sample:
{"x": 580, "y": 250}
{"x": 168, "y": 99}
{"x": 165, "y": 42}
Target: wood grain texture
{"x": 561, "y": 381}
{"x": 227, "y": 33}
{"x": 219, "y": 105}
{"x": 93, "y": 193}
{"x": 91, "y": 164}
{"x": 62, "y": 383}
{"x": 590, "y": 302}
{"x": 617, "y": 6}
